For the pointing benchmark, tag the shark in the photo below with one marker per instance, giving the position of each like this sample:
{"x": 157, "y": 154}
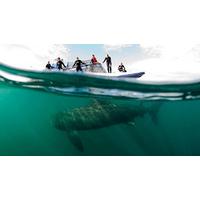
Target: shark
{"x": 100, "y": 114}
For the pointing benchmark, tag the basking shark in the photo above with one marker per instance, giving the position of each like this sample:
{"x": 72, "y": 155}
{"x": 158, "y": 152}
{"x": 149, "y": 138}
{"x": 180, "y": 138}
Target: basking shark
{"x": 100, "y": 114}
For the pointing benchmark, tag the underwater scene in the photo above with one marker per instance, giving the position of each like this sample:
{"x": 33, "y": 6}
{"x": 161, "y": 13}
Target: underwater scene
{"x": 69, "y": 114}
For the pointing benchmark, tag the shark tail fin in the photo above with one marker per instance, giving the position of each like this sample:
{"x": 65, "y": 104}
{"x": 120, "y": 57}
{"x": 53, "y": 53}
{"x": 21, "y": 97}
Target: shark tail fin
{"x": 76, "y": 140}
{"x": 154, "y": 112}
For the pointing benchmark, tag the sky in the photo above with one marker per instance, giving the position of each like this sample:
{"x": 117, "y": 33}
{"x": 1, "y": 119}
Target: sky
{"x": 36, "y": 56}
{"x": 177, "y": 62}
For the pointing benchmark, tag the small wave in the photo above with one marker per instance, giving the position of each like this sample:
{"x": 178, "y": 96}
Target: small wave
{"x": 83, "y": 84}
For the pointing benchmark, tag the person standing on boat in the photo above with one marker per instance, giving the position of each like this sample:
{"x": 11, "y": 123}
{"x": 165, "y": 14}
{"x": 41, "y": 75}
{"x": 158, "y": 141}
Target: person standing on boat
{"x": 108, "y": 61}
{"x": 60, "y": 64}
{"x": 94, "y": 60}
{"x": 48, "y": 66}
{"x": 78, "y": 63}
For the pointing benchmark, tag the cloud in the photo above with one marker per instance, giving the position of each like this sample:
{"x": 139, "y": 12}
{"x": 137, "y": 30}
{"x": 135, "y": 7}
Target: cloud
{"x": 154, "y": 51}
{"x": 115, "y": 47}
{"x": 172, "y": 62}
{"x": 166, "y": 62}
{"x": 31, "y": 55}
{"x": 132, "y": 53}
{"x": 194, "y": 52}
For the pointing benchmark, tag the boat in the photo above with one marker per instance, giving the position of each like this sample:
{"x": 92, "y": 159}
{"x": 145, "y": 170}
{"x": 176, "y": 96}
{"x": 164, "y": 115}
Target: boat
{"x": 99, "y": 71}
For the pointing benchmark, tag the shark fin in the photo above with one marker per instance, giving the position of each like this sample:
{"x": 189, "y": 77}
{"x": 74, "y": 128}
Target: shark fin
{"x": 100, "y": 101}
{"x": 154, "y": 112}
{"x": 154, "y": 118}
{"x": 76, "y": 140}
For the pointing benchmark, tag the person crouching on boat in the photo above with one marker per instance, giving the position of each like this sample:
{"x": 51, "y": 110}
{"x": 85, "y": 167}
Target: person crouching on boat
{"x": 78, "y": 63}
{"x": 60, "y": 64}
{"x": 108, "y": 61}
{"x": 121, "y": 68}
{"x": 94, "y": 60}
{"x": 48, "y": 66}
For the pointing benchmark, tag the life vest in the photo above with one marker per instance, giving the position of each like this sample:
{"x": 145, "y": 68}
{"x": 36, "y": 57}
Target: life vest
{"x": 94, "y": 60}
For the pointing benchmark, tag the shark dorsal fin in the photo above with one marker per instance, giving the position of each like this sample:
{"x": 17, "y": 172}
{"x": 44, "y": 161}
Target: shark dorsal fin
{"x": 75, "y": 140}
{"x": 100, "y": 101}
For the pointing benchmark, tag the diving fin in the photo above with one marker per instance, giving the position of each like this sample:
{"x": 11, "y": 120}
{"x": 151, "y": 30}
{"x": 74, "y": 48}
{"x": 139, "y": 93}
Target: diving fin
{"x": 76, "y": 140}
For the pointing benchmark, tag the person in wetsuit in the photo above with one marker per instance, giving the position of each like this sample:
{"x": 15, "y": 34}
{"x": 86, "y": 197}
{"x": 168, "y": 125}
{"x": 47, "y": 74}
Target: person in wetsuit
{"x": 78, "y": 63}
{"x": 48, "y": 66}
{"x": 121, "y": 68}
{"x": 60, "y": 64}
{"x": 108, "y": 61}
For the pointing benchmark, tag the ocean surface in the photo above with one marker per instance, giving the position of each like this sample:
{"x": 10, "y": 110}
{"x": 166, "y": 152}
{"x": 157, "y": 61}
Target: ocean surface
{"x": 59, "y": 114}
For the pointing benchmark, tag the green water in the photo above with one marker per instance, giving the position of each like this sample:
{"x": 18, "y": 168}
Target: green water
{"x": 28, "y": 111}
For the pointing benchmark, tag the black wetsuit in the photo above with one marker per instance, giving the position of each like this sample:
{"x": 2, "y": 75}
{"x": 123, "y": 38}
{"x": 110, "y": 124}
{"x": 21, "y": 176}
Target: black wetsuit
{"x": 122, "y": 68}
{"x": 48, "y": 66}
{"x": 78, "y": 65}
{"x": 108, "y": 63}
{"x": 60, "y": 64}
